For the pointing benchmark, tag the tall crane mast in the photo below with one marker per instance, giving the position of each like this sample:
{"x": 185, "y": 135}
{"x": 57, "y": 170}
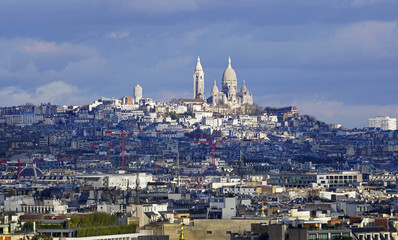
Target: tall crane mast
{"x": 122, "y": 146}
{"x": 19, "y": 171}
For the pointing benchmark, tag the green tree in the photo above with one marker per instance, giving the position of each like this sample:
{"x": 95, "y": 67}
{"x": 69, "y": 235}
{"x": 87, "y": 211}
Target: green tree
{"x": 28, "y": 226}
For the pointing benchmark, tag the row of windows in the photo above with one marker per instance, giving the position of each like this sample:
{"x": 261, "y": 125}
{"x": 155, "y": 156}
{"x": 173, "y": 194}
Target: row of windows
{"x": 341, "y": 177}
{"x": 36, "y": 209}
{"x": 325, "y": 236}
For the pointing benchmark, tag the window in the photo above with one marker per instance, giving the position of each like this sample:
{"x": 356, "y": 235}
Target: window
{"x": 335, "y": 235}
{"x": 209, "y": 232}
{"x": 323, "y": 236}
{"x": 312, "y": 237}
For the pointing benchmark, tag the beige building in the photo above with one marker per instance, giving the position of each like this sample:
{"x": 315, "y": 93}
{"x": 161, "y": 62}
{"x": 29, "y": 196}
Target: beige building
{"x": 210, "y": 228}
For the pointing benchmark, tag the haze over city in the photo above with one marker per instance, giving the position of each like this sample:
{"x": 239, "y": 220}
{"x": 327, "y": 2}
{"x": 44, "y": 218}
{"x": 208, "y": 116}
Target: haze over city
{"x": 335, "y": 60}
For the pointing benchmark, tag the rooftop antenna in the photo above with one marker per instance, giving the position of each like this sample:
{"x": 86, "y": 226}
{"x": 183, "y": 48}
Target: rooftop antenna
{"x": 19, "y": 171}
{"x": 178, "y": 168}
{"x": 240, "y": 169}
{"x": 122, "y": 143}
{"x": 137, "y": 183}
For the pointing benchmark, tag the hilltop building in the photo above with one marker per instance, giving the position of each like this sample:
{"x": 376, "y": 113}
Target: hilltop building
{"x": 384, "y": 123}
{"x": 229, "y": 95}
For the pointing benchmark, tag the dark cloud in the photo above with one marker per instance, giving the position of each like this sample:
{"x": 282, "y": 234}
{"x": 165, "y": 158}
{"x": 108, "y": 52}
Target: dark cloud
{"x": 342, "y": 53}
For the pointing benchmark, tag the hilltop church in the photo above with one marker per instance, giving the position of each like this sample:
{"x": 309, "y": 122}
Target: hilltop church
{"x": 229, "y": 96}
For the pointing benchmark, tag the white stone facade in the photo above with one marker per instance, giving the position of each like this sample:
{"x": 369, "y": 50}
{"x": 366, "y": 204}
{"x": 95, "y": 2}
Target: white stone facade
{"x": 384, "y": 123}
{"x": 137, "y": 93}
{"x": 198, "y": 82}
{"x": 229, "y": 96}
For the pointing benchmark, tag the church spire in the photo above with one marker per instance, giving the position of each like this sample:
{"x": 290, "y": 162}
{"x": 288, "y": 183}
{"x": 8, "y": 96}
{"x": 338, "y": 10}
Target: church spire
{"x": 198, "y": 81}
{"x": 198, "y": 65}
{"x": 229, "y": 62}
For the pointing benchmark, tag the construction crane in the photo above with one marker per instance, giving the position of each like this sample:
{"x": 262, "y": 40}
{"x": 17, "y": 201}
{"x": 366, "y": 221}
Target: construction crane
{"x": 110, "y": 145}
{"x": 19, "y": 171}
{"x": 213, "y": 150}
{"x": 214, "y": 142}
{"x": 122, "y": 153}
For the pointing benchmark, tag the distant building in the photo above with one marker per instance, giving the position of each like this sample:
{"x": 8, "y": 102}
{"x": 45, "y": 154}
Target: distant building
{"x": 222, "y": 208}
{"x": 198, "y": 82}
{"x": 384, "y": 123}
{"x": 137, "y": 93}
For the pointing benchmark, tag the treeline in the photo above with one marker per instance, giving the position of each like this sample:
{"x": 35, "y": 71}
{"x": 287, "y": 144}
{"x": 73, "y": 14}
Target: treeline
{"x": 98, "y": 224}
{"x": 107, "y": 230}
{"x": 95, "y": 224}
{"x": 92, "y": 220}
{"x": 28, "y": 226}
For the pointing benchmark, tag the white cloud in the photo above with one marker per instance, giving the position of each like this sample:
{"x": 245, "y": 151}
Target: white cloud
{"x": 166, "y": 96}
{"x": 330, "y": 110}
{"x": 172, "y": 64}
{"x": 40, "y": 47}
{"x": 363, "y": 3}
{"x": 56, "y": 92}
{"x": 328, "y": 46}
{"x": 37, "y": 62}
{"x": 333, "y": 111}
{"x": 117, "y": 35}
{"x": 368, "y": 40}
{"x": 11, "y": 96}
{"x": 191, "y": 37}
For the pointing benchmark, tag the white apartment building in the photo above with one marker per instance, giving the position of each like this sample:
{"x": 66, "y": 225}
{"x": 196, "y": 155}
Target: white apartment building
{"x": 27, "y": 204}
{"x": 384, "y": 123}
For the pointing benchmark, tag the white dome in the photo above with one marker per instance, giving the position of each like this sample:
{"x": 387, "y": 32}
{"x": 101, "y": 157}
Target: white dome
{"x": 215, "y": 88}
{"x": 229, "y": 73}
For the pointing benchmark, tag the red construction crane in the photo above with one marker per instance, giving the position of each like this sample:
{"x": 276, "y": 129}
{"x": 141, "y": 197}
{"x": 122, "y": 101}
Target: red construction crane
{"x": 213, "y": 160}
{"x": 213, "y": 149}
{"x": 213, "y": 145}
{"x": 18, "y": 171}
{"x": 122, "y": 150}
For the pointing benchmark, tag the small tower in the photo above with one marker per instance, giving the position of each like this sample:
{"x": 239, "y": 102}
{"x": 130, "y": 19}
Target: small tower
{"x": 182, "y": 233}
{"x": 137, "y": 93}
{"x": 262, "y": 210}
{"x": 198, "y": 82}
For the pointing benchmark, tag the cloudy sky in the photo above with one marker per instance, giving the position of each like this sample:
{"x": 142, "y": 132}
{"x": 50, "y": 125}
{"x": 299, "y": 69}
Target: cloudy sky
{"x": 336, "y": 60}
